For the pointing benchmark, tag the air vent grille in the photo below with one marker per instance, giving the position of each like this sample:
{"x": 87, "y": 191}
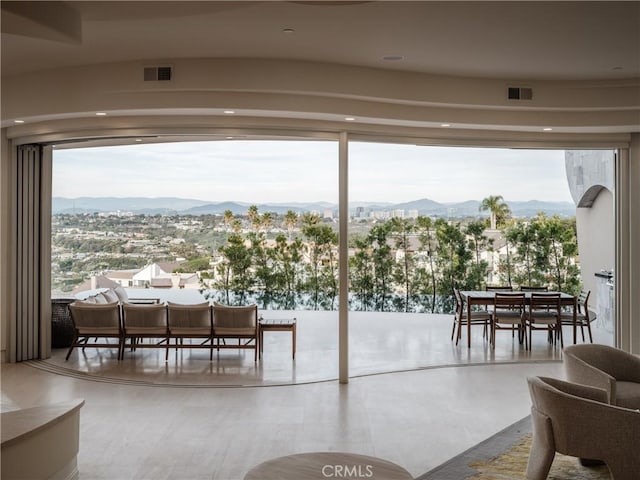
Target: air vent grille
{"x": 519, "y": 93}
{"x": 158, "y": 74}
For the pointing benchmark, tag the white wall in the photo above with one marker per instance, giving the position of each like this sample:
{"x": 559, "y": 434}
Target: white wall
{"x": 596, "y": 240}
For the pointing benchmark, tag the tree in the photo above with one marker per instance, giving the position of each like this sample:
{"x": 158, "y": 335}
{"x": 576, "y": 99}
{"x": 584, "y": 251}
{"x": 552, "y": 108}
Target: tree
{"x": 266, "y": 221}
{"x": 254, "y": 217}
{"x": 234, "y": 269}
{"x": 361, "y": 272}
{"x": 228, "y": 218}
{"x": 498, "y": 209}
{"x": 478, "y": 242}
{"x": 453, "y": 257}
{"x": 322, "y": 261}
{"x": 382, "y": 264}
{"x": 400, "y": 231}
{"x": 290, "y": 221}
{"x": 558, "y": 245}
{"x": 426, "y": 236}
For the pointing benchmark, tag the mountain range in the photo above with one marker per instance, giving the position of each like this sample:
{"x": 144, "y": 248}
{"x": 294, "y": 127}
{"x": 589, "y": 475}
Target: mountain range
{"x": 185, "y": 206}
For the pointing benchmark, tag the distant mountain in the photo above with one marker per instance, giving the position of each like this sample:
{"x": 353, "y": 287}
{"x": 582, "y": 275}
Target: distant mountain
{"x": 169, "y": 205}
{"x": 124, "y": 204}
{"x": 424, "y": 206}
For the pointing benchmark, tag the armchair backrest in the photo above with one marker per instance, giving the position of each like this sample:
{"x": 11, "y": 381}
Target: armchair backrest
{"x": 95, "y": 315}
{"x": 580, "y": 418}
{"x": 225, "y": 316}
{"x": 144, "y": 316}
{"x": 189, "y": 316}
{"x": 611, "y": 361}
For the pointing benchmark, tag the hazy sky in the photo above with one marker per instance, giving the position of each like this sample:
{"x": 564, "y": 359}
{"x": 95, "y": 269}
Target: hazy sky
{"x": 307, "y": 171}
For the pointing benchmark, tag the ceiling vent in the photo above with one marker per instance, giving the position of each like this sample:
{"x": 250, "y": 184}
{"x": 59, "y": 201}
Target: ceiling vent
{"x": 158, "y": 74}
{"x": 519, "y": 93}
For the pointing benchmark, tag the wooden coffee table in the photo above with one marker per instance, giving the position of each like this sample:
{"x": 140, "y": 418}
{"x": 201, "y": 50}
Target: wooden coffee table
{"x": 324, "y": 465}
{"x": 278, "y": 325}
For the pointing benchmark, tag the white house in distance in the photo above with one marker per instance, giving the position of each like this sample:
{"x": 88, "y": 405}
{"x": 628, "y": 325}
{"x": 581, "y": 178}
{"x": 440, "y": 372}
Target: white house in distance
{"x": 153, "y": 276}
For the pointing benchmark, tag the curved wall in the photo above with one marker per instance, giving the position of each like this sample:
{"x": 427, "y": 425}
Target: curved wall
{"x": 596, "y": 240}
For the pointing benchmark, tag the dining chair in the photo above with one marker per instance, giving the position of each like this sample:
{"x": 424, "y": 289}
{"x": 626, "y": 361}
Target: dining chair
{"x": 583, "y": 315}
{"x": 240, "y": 323}
{"x": 463, "y": 318}
{"x": 544, "y": 314}
{"x": 190, "y": 322}
{"x": 97, "y": 321}
{"x": 142, "y": 322}
{"x": 531, "y": 288}
{"x": 509, "y": 314}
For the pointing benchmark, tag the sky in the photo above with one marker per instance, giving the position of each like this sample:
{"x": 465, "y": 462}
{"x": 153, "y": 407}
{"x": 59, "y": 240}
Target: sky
{"x": 307, "y": 171}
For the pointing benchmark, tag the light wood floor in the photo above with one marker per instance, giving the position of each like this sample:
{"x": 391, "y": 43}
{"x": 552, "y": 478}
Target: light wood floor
{"x": 193, "y": 419}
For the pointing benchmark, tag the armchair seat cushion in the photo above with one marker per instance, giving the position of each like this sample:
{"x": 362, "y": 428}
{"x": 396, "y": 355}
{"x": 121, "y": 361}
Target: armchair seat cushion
{"x": 628, "y": 394}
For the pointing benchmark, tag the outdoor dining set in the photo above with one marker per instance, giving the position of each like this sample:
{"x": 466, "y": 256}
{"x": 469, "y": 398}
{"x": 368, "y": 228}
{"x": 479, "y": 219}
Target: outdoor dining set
{"x": 521, "y": 312}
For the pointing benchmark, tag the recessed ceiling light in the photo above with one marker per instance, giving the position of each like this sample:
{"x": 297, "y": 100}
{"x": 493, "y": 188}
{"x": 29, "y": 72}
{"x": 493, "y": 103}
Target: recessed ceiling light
{"x": 101, "y": 114}
{"x": 18, "y": 121}
{"x": 547, "y": 129}
{"x": 393, "y": 58}
{"x": 229, "y": 112}
{"x": 288, "y": 30}
{"x": 349, "y": 119}
{"x": 138, "y": 139}
{"x": 445, "y": 124}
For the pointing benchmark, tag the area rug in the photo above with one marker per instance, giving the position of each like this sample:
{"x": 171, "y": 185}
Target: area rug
{"x": 504, "y": 457}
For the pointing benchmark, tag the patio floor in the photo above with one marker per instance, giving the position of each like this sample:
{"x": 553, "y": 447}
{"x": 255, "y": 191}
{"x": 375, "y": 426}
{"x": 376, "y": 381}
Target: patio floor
{"x": 195, "y": 419}
{"x": 379, "y": 343}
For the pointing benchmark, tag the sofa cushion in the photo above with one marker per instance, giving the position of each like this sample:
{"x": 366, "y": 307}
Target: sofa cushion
{"x": 111, "y": 296}
{"x": 121, "y": 293}
{"x": 628, "y": 394}
{"x": 100, "y": 298}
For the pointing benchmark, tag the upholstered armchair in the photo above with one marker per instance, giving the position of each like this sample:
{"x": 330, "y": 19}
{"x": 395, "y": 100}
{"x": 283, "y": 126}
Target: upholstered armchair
{"x": 236, "y": 323}
{"x": 576, "y": 420}
{"x": 614, "y": 370}
{"x": 190, "y": 322}
{"x": 97, "y": 321}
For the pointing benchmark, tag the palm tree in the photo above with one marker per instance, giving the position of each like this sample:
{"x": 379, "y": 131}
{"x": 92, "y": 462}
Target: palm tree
{"x": 497, "y": 207}
{"x": 266, "y": 221}
{"x": 228, "y": 218}
{"x": 254, "y": 216}
{"x": 290, "y": 221}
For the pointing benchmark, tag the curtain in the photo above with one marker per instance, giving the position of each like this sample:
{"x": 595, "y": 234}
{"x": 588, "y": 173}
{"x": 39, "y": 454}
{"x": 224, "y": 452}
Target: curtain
{"x": 30, "y": 254}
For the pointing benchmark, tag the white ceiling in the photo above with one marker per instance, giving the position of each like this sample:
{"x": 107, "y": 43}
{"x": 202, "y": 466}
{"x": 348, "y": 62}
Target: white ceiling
{"x": 511, "y": 40}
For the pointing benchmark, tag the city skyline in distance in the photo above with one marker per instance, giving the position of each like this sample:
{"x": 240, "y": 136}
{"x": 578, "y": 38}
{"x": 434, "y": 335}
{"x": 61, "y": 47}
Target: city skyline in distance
{"x": 307, "y": 171}
{"x": 171, "y": 205}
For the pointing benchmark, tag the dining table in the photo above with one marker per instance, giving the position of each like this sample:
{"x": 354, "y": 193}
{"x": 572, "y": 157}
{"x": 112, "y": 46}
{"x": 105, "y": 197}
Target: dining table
{"x": 486, "y": 297}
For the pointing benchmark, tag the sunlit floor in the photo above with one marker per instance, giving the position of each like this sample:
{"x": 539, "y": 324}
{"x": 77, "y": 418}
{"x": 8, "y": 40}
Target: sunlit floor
{"x": 415, "y": 398}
